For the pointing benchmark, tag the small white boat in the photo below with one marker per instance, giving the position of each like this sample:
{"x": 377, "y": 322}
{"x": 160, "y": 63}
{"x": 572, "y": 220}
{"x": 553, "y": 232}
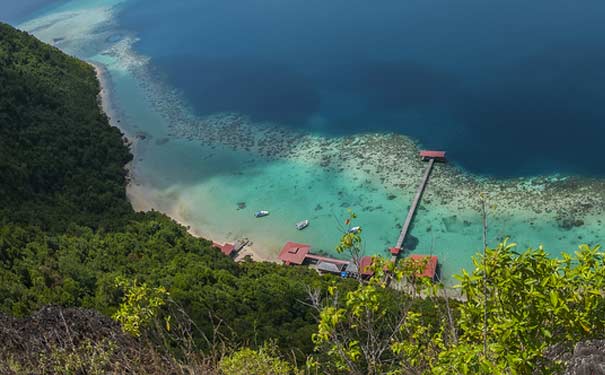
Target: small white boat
{"x": 302, "y": 224}
{"x": 354, "y": 230}
{"x": 261, "y": 213}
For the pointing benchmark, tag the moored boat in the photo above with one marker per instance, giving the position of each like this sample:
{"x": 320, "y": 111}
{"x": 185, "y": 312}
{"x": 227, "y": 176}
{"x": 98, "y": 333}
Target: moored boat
{"x": 302, "y": 224}
{"x": 354, "y": 230}
{"x": 261, "y": 213}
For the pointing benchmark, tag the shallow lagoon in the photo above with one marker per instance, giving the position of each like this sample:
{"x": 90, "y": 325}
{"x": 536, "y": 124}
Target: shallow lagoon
{"x": 199, "y": 168}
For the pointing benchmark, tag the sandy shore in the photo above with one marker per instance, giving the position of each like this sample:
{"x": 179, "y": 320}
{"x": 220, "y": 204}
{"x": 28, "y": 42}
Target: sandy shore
{"x": 137, "y": 193}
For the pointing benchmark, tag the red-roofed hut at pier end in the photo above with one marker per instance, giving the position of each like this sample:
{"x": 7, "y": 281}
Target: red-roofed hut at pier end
{"x": 430, "y": 154}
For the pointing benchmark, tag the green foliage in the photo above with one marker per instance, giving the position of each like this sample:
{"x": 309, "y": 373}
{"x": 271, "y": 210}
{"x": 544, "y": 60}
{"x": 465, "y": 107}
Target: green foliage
{"x": 60, "y": 161}
{"x": 374, "y": 329}
{"x": 140, "y": 305}
{"x": 87, "y": 358}
{"x": 264, "y": 361}
{"x": 248, "y": 302}
{"x": 534, "y": 301}
{"x": 350, "y": 241}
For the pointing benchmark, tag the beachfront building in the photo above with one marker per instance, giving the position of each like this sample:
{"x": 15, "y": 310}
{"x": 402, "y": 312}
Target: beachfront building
{"x": 429, "y": 263}
{"x": 294, "y": 253}
{"x": 297, "y": 254}
{"x": 227, "y": 248}
{"x": 363, "y": 270}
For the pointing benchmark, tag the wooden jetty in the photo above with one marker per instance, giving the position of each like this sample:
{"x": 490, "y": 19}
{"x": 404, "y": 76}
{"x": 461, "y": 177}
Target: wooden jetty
{"x": 431, "y": 157}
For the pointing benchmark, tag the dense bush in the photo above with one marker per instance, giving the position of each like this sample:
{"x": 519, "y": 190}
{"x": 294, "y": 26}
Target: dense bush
{"x": 250, "y": 302}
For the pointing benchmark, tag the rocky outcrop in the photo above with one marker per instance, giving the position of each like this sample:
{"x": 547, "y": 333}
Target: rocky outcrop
{"x": 83, "y": 340}
{"x": 588, "y": 358}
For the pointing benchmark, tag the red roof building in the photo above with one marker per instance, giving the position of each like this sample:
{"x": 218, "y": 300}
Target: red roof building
{"x": 294, "y": 253}
{"x": 429, "y": 154}
{"x": 364, "y": 266}
{"x": 430, "y": 269}
{"x": 227, "y": 249}
{"x": 395, "y": 250}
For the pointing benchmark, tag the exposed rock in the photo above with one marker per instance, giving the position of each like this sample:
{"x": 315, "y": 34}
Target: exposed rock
{"x": 45, "y": 339}
{"x": 588, "y": 359}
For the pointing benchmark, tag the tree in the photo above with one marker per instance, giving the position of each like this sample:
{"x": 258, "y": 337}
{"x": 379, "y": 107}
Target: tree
{"x": 140, "y": 305}
{"x": 379, "y": 330}
{"x": 534, "y": 302}
{"x": 350, "y": 241}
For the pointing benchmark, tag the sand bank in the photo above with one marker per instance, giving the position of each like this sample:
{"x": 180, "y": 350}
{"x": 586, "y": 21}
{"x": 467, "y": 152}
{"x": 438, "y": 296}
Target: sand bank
{"x": 138, "y": 194}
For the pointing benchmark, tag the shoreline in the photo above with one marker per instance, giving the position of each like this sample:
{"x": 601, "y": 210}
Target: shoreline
{"x": 457, "y": 208}
{"x": 136, "y": 192}
{"x": 196, "y": 169}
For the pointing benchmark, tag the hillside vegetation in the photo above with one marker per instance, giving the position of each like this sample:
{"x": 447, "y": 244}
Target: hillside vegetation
{"x": 61, "y": 163}
{"x": 73, "y": 255}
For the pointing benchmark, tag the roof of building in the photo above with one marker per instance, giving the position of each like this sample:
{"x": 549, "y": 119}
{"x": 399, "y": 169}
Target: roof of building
{"x": 329, "y": 267}
{"x": 432, "y": 154}
{"x": 430, "y": 269}
{"x": 321, "y": 258}
{"x": 294, "y": 253}
{"x": 394, "y": 250}
{"x": 364, "y": 264}
{"x": 226, "y": 249}
{"x": 351, "y": 268}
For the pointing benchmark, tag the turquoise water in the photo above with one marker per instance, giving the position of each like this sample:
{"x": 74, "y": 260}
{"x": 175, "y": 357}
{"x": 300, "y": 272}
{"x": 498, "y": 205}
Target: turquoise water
{"x": 213, "y": 172}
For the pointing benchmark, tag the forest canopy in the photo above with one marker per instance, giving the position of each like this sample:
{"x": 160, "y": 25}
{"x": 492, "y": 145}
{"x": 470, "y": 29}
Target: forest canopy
{"x": 60, "y": 161}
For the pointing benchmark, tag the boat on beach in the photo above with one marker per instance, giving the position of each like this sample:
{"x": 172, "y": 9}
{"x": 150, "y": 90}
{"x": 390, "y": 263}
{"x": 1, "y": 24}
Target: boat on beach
{"x": 261, "y": 213}
{"x": 302, "y": 224}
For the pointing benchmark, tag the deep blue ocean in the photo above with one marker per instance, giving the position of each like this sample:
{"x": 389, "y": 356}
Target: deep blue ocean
{"x": 507, "y": 87}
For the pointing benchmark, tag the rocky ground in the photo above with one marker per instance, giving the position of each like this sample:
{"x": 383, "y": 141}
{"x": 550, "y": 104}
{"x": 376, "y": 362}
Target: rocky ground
{"x": 76, "y": 341}
{"x": 59, "y": 340}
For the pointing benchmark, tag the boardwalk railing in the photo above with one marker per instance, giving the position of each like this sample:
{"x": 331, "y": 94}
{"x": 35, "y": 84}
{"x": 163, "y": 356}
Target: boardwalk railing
{"x": 412, "y": 211}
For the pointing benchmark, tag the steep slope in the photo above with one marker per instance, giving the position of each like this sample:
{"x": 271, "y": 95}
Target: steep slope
{"x": 60, "y": 161}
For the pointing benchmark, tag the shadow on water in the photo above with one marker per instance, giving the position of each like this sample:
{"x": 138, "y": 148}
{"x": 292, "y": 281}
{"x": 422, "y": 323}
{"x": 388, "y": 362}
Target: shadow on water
{"x": 263, "y": 90}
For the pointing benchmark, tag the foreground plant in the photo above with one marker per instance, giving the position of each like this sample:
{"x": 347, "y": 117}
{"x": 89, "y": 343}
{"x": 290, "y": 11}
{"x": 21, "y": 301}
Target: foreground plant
{"x": 534, "y": 303}
{"x": 377, "y": 330}
{"x": 140, "y": 305}
{"x": 264, "y": 361}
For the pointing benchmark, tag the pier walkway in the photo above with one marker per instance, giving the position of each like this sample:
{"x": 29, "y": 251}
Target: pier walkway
{"x": 431, "y": 156}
